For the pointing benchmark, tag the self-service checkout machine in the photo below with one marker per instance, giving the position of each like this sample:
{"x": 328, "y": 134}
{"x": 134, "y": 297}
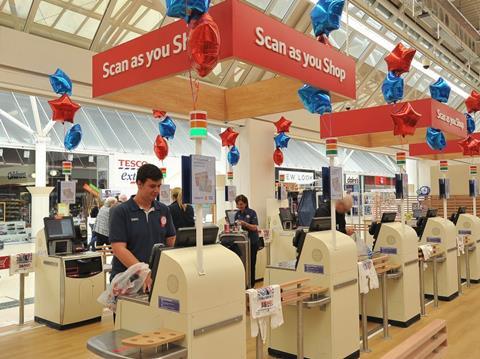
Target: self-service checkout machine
{"x": 468, "y": 225}
{"x": 400, "y": 243}
{"x": 68, "y": 280}
{"x": 282, "y": 226}
{"x": 442, "y": 233}
{"x": 208, "y": 307}
{"x": 332, "y": 330}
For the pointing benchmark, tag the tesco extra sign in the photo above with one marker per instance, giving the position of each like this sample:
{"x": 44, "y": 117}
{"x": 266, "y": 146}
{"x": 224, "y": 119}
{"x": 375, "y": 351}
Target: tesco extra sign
{"x": 127, "y": 169}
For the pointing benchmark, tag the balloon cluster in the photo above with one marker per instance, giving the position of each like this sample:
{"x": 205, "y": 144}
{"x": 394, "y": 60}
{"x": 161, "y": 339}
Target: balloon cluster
{"x": 64, "y": 109}
{"x": 281, "y": 139}
{"x": 229, "y": 137}
{"x": 203, "y": 42}
{"x": 440, "y": 90}
{"x": 470, "y": 146}
{"x": 398, "y": 62}
{"x": 167, "y": 130}
{"x": 325, "y": 16}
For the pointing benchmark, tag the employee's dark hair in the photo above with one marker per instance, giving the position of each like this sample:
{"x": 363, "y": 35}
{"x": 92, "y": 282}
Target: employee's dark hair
{"x": 242, "y": 198}
{"x": 148, "y": 171}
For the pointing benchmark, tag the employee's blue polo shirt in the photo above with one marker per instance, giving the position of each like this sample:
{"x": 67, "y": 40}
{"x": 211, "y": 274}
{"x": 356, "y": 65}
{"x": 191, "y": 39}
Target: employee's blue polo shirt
{"x": 249, "y": 216}
{"x": 140, "y": 230}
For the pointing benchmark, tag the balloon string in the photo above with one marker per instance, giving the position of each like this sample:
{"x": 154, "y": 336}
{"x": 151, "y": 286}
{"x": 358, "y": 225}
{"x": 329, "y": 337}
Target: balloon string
{"x": 194, "y": 83}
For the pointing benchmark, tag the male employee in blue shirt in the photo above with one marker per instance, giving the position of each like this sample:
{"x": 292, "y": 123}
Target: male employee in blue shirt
{"x": 139, "y": 223}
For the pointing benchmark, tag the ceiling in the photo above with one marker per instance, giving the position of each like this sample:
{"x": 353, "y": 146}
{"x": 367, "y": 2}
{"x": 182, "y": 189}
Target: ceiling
{"x": 470, "y": 9}
{"x": 367, "y": 36}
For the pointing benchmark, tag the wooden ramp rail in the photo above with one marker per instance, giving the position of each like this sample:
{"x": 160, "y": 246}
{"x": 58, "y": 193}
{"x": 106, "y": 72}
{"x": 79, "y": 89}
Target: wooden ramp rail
{"x": 430, "y": 342}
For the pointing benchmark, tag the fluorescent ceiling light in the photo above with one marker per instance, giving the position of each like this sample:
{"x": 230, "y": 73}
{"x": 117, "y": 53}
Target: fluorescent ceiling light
{"x": 382, "y": 41}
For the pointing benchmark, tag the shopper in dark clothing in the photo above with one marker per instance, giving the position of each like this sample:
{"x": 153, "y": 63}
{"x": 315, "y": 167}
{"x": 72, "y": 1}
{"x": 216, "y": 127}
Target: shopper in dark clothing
{"x": 248, "y": 220}
{"x": 182, "y": 214}
{"x": 342, "y": 207}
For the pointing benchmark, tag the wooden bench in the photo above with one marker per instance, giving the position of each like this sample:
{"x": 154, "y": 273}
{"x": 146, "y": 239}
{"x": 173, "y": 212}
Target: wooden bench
{"x": 429, "y": 342}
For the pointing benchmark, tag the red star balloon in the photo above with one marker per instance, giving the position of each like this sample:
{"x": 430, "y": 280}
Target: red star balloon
{"x": 160, "y": 148}
{"x": 278, "y": 157}
{"x": 63, "y": 109}
{"x": 204, "y": 44}
{"x": 405, "y": 120}
{"x": 229, "y": 136}
{"x": 400, "y": 59}
{"x": 283, "y": 125}
{"x": 159, "y": 114}
{"x": 470, "y": 146}
{"x": 473, "y": 102}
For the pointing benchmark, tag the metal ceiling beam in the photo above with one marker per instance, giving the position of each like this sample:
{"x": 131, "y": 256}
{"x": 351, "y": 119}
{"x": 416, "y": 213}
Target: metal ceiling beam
{"x": 31, "y": 15}
{"x": 104, "y": 22}
{"x": 370, "y": 10}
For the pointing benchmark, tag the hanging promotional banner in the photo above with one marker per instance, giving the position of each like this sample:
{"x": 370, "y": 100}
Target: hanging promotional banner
{"x": 21, "y": 263}
{"x": 247, "y": 34}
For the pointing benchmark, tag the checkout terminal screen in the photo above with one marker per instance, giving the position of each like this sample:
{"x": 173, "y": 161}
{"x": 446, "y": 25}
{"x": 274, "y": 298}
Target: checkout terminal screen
{"x": 59, "y": 228}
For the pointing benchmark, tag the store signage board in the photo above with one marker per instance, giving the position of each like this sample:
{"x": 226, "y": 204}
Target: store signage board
{"x": 21, "y": 263}
{"x": 336, "y": 184}
{"x": 373, "y": 127}
{"x": 198, "y": 179}
{"x": 298, "y": 177}
{"x": 165, "y": 197}
{"x": 67, "y": 192}
{"x": 452, "y": 150}
{"x": 4, "y": 262}
{"x": 253, "y": 37}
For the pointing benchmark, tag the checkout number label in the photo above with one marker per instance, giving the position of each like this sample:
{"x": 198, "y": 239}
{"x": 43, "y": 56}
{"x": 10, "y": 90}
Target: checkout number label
{"x": 434, "y": 239}
{"x": 169, "y": 304}
{"x": 388, "y": 250}
{"x": 464, "y": 232}
{"x": 313, "y": 268}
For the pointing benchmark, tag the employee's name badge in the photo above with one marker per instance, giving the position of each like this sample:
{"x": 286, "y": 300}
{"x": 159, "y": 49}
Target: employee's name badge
{"x": 163, "y": 221}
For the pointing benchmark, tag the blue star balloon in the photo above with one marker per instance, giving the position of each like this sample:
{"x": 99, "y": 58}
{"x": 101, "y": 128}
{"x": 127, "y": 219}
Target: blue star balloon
{"x": 392, "y": 88}
{"x": 440, "y": 90}
{"x": 326, "y": 16}
{"x": 73, "y": 137}
{"x": 435, "y": 139}
{"x": 233, "y": 156}
{"x": 61, "y": 83}
{"x": 470, "y": 123}
{"x": 281, "y": 140}
{"x": 167, "y": 128}
{"x": 187, "y": 9}
{"x": 315, "y": 100}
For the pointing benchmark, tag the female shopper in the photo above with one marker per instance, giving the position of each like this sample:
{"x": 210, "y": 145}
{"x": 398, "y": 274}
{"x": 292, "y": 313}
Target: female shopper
{"x": 247, "y": 219}
{"x": 182, "y": 214}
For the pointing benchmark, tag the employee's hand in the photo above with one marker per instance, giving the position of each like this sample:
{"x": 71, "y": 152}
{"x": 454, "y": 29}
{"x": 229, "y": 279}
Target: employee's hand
{"x": 147, "y": 285}
{"x": 350, "y": 231}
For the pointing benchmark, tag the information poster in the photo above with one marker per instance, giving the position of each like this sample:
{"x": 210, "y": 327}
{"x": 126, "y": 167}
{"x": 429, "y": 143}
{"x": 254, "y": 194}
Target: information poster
{"x": 165, "y": 194}
{"x": 336, "y": 186}
{"x": 203, "y": 179}
{"x": 110, "y": 193}
{"x": 230, "y": 193}
{"x": 21, "y": 263}
{"x": 67, "y": 192}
